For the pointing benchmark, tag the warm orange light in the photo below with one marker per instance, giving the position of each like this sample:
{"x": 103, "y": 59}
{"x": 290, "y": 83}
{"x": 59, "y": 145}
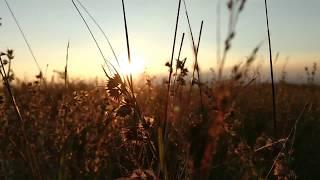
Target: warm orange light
{"x": 136, "y": 66}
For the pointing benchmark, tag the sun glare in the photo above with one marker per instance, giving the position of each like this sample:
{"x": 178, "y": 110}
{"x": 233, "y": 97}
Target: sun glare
{"x": 136, "y": 66}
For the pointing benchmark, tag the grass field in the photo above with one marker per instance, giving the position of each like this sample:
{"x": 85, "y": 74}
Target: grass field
{"x": 234, "y": 126}
{"x": 82, "y": 132}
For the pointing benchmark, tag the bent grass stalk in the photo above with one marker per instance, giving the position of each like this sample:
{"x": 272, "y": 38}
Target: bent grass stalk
{"x": 23, "y": 35}
{"x": 101, "y": 30}
{"x": 109, "y": 65}
{"x": 196, "y": 66}
{"x": 291, "y": 134}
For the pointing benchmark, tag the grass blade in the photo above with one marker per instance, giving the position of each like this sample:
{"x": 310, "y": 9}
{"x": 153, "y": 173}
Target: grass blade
{"x": 24, "y": 36}
{"x": 128, "y": 45}
{"x": 274, "y": 114}
{"x": 66, "y": 67}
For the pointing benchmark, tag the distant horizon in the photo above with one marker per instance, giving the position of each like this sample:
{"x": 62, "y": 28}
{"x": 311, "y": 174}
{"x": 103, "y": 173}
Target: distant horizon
{"x": 207, "y": 76}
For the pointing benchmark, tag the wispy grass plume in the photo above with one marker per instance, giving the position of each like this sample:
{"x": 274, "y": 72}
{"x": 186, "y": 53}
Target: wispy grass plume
{"x": 109, "y": 65}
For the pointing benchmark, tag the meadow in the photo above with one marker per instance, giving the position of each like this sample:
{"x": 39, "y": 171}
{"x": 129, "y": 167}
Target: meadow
{"x": 235, "y": 126}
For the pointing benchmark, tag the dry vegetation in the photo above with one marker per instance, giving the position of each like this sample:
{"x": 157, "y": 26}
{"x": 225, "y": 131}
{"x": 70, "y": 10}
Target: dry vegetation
{"x": 220, "y": 129}
{"x": 85, "y": 132}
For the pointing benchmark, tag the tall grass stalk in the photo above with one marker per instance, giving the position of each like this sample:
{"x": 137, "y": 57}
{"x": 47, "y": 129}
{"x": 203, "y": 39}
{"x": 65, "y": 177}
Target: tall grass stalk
{"x": 218, "y": 32}
{"x": 274, "y": 114}
{"x": 128, "y": 46}
{"x": 137, "y": 111}
{"x": 181, "y": 44}
{"x": 66, "y": 66}
{"x": 195, "y": 51}
{"x": 61, "y": 172}
{"x": 163, "y": 129}
{"x": 190, "y": 29}
{"x": 165, "y": 122}
{"x": 31, "y": 158}
{"x": 196, "y": 65}
{"x": 178, "y": 59}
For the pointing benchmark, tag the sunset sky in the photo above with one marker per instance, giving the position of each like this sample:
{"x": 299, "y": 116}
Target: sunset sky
{"x": 49, "y": 24}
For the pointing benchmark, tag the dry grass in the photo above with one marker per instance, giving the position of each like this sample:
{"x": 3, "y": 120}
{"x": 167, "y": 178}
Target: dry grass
{"x": 75, "y": 130}
{"x": 87, "y": 132}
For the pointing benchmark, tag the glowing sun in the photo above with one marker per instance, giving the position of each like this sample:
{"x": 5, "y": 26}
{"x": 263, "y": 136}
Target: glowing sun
{"x": 136, "y": 66}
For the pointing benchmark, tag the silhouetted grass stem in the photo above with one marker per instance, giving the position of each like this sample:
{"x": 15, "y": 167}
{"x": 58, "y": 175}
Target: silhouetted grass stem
{"x": 271, "y": 73}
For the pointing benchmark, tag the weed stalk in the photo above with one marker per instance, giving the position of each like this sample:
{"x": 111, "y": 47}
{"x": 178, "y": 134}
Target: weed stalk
{"x": 271, "y": 73}
{"x": 31, "y": 157}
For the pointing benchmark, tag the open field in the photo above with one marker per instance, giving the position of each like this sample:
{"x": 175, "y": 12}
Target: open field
{"x": 83, "y": 132}
{"x": 189, "y": 124}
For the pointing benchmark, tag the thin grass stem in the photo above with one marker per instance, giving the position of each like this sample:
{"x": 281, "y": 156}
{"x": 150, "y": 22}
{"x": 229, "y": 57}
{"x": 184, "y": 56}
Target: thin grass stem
{"x": 274, "y": 108}
{"x": 101, "y": 30}
{"x": 128, "y": 45}
{"x": 23, "y": 35}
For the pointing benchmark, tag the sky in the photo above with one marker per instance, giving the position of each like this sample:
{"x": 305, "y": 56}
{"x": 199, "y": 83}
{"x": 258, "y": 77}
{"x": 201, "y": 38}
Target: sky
{"x": 50, "y": 24}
